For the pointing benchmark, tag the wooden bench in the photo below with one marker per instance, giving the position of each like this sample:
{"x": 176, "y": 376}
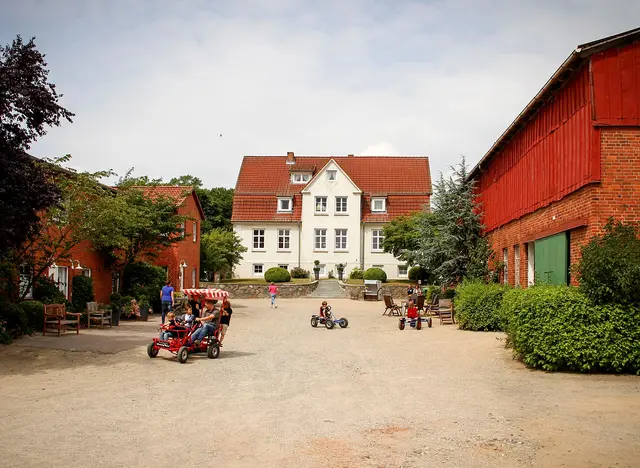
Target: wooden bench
{"x": 56, "y": 319}
{"x": 97, "y": 315}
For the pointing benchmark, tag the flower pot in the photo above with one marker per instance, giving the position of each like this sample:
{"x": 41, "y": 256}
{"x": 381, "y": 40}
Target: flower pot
{"x": 144, "y": 313}
{"x": 115, "y": 316}
{"x": 316, "y": 273}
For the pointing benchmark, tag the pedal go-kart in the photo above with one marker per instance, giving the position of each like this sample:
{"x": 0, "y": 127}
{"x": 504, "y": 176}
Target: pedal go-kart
{"x": 180, "y": 344}
{"x": 415, "y": 322}
{"x": 329, "y": 320}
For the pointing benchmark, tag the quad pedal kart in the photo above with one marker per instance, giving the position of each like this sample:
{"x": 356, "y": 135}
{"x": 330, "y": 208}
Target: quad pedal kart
{"x": 181, "y": 346}
{"x": 414, "y": 322}
{"x": 329, "y": 321}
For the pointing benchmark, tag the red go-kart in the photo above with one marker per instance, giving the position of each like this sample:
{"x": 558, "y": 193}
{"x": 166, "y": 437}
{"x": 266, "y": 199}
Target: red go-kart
{"x": 180, "y": 344}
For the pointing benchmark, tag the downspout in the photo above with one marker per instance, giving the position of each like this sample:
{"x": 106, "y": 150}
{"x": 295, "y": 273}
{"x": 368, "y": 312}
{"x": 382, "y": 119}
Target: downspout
{"x": 362, "y": 246}
{"x": 299, "y": 241}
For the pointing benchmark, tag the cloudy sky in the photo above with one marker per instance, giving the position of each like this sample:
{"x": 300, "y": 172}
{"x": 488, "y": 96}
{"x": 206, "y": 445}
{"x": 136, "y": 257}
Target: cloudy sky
{"x": 155, "y": 83}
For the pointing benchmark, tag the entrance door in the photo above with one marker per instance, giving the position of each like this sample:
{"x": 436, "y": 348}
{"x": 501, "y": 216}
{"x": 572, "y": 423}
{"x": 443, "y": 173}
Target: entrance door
{"x": 552, "y": 259}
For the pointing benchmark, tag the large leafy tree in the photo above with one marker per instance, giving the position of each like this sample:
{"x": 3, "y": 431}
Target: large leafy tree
{"x": 28, "y": 107}
{"x": 401, "y": 236}
{"x": 220, "y": 251}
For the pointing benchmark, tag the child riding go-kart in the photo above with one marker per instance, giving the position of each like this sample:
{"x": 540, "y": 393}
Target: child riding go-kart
{"x": 179, "y": 343}
{"x": 327, "y": 318}
{"x": 413, "y": 318}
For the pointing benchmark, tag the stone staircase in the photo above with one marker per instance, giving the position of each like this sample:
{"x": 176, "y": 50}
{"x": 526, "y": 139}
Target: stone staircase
{"x": 328, "y": 289}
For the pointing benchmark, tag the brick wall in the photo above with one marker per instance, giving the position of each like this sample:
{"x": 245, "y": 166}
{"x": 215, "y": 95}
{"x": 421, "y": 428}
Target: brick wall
{"x": 100, "y": 273}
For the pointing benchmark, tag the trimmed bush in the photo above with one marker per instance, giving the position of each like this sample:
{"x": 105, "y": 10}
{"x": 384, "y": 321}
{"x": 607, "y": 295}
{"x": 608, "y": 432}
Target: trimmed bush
{"x": 35, "y": 313}
{"x": 478, "y": 306}
{"x": 14, "y": 318}
{"x": 356, "y": 273}
{"x": 377, "y": 274}
{"x": 559, "y": 328}
{"x": 277, "y": 275}
{"x": 417, "y": 273}
{"x": 81, "y": 292}
{"x": 47, "y": 292}
{"x": 298, "y": 272}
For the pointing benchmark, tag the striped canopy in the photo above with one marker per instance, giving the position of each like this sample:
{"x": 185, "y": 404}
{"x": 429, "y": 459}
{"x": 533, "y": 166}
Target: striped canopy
{"x": 207, "y": 293}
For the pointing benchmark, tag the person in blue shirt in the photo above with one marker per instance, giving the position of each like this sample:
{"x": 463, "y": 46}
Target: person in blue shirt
{"x": 166, "y": 296}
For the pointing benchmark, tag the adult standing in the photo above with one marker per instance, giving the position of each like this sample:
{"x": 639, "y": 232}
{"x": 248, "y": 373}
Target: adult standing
{"x": 273, "y": 292}
{"x": 166, "y": 297}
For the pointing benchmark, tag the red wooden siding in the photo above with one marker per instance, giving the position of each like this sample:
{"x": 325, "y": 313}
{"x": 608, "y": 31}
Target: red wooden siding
{"x": 554, "y": 154}
{"x": 616, "y": 85}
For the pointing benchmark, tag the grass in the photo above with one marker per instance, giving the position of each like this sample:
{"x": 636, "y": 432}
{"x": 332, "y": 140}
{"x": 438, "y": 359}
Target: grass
{"x": 395, "y": 282}
{"x": 262, "y": 281}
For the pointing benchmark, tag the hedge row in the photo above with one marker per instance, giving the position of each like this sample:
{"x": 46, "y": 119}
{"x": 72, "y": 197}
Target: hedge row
{"x": 478, "y": 306}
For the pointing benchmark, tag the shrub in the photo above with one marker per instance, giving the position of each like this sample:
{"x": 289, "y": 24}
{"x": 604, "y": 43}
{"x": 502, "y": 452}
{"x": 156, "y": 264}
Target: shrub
{"x": 330, "y": 275}
{"x": 47, "y": 292}
{"x": 35, "y": 313}
{"x": 81, "y": 292}
{"x": 356, "y": 273}
{"x": 14, "y": 318}
{"x": 449, "y": 294}
{"x": 417, "y": 273}
{"x": 377, "y": 274}
{"x": 298, "y": 272}
{"x": 277, "y": 275}
{"x": 560, "y": 328}
{"x": 478, "y": 306}
{"x": 609, "y": 270}
{"x": 144, "y": 279}
{"x": 115, "y": 299}
{"x": 431, "y": 290}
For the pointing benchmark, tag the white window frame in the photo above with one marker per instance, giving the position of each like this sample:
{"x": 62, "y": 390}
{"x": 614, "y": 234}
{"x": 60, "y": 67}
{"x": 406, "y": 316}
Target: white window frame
{"x": 183, "y": 227}
{"x": 284, "y": 234}
{"x": 342, "y": 202}
{"x": 284, "y": 265}
{"x": 25, "y": 278}
{"x": 257, "y": 236}
{"x": 289, "y": 201}
{"x": 195, "y": 231}
{"x": 254, "y": 268}
{"x": 516, "y": 265}
{"x": 406, "y": 271}
{"x": 115, "y": 282}
{"x": 194, "y": 278}
{"x": 323, "y": 270}
{"x": 322, "y": 203}
{"x": 300, "y": 178}
{"x": 531, "y": 263}
{"x": 54, "y": 273}
{"x": 86, "y": 272}
{"x": 377, "y": 235}
{"x": 505, "y": 260}
{"x": 320, "y": 234}
{"x": 332, "y": 175}
{"x": 340, "y": 235}
{"x": 373, "y": 205}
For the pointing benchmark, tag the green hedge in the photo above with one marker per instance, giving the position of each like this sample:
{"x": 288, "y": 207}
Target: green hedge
{"x": 478, "y": 306}
{"x": 144, "y": 279}
{"x": 377, "y": 274}
{"x": 47, "y": 292}
{"x": 560, "y": 328}
{"x": 356, "y": 273}
{"x": 35, "y": 314}
{"x": 81, "y": 292}
{"x": 299, "y": 272}
{"x": 277, "y": 275}
{"x": 14, "y": 319}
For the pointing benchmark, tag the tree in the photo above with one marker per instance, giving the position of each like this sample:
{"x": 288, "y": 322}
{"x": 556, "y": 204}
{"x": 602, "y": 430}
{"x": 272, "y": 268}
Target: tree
{"x": 28, "y": 107}
{"x": 220, "y": 251}
{"x": 401, "y": 236}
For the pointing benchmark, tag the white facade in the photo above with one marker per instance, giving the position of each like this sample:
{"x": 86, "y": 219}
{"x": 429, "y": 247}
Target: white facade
{"x": 330, "y": 230}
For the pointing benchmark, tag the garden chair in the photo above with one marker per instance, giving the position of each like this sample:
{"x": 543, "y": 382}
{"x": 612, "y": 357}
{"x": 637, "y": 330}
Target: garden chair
{"x": 432, "y": 307}
{"x": 445, "y": 311}
{"x": 391, "y": 307}
{"x": 420, "y": 303}
{"x": 56, "y": 319}
{"x": 97, "y": 315}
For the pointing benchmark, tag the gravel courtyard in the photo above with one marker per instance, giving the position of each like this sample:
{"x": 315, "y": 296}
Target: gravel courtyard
{"x": 283, "y": 394}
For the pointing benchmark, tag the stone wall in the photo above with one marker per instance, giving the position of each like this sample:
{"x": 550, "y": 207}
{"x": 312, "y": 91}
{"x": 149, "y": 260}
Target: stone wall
{"x": 355, "y": 291}
{"x": 259, "y": 291}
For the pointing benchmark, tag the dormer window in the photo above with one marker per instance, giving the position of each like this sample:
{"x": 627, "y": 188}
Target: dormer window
{"x": 331, "y": 175}
{"x": 285, "y": 205}
{"x": 300, "y": 177}
{"x": 378, "y": 205}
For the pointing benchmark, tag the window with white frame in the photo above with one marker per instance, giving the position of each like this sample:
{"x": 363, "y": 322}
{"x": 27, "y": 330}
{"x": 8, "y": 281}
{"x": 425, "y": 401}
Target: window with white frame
{"x": 258, "y": 269}
{"x": 182, "y": 229}
{"x": 194, "y": 278}
{"x": 341, "y": 204}
{"x": 378, "y": 204}
{"x": 505, "y": 260}
{"x": 321, "y": 204}
{"x": 323, "y": 270}
{"x": 377, "y": 240}
{"x": 60, "y": 276}
{"x": 25, "y": 280}
{"x": 320, "y": 239}
{"x": 403, "y": 271}
{"x": 258, "y": 239}
{"x": 115, "y": 282}
{"x": 377, "y": 266}
{"x": 331, "y": 175}
{"x": 285, "y": 205}
{"x": 286, "y": 267}
{"x": 284, "y": 239}
{"x": 516, "y": 265}
{"x": 341, "y": 239}
{"x": 86, "y": 272}
{"x": 195, "y": 231}
{"x": 300, "y": 178}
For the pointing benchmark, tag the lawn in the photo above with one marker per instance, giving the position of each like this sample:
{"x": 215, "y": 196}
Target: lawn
{"x": 262, "y": 281}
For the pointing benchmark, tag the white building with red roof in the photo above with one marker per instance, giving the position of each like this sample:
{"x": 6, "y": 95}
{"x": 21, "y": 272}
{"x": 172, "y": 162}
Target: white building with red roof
{"x": 291, "y": 210}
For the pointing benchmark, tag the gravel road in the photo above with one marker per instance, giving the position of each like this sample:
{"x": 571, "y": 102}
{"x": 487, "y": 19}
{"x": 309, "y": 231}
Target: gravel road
{"x": 283, "y": 394}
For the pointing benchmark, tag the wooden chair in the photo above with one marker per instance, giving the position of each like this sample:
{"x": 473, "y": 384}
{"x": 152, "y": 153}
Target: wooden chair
{"x": 391, "y": 307}
{"x": 56, "y": 319}
{"x": 98, "y": 315}
{"x": 445, "y": 311}
{"x": 432, "y": 308}
{"x": 420, "y": 303}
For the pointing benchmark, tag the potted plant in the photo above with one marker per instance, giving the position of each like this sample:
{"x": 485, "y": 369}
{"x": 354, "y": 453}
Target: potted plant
{"x": 143, "y": 301}
{"x": 316, "y": 269}
{"x": 340, "y": 269}
{"x": 116, "y": 308}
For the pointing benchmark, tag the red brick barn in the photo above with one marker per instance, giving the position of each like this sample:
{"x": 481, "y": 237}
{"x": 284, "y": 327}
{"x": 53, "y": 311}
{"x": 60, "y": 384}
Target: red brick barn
{"x": 569, "y": 161}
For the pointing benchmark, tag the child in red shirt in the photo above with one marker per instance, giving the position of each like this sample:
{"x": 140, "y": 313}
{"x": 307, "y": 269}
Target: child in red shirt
{"x": 324, "y": 308}
{"x": 412, "y": 311}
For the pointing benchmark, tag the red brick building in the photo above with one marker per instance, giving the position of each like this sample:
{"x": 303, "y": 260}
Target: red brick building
{"x": 569, "y": 161}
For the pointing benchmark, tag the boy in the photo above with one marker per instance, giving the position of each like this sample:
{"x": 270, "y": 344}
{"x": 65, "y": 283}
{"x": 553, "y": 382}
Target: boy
{"x": 324, "y": 309}
{"x": 187, "y": 318}
{"x": 225, "y": 318}
{"x": 412, "y": 311}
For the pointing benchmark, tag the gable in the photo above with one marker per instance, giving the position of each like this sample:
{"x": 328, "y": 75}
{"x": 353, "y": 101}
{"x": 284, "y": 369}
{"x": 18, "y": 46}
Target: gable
{"x": 341, "y": 180}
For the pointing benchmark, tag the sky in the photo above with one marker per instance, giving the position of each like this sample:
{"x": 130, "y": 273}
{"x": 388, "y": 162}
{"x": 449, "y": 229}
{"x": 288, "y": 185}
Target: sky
{"x": 172, "y": 87}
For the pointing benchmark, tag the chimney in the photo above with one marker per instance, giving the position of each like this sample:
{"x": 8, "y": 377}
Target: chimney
{"x": 349, "y": 155}
{"x": 291, "y": 159}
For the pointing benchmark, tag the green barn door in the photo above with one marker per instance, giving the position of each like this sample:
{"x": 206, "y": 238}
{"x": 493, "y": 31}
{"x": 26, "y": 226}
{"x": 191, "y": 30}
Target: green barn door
{"x": 552, "y": 259}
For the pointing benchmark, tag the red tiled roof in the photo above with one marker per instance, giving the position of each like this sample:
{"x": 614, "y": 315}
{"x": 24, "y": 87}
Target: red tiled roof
{"x": 177, "y": 192}
{"x": 263, "y": 178}
{"x": 397, "y": 205}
